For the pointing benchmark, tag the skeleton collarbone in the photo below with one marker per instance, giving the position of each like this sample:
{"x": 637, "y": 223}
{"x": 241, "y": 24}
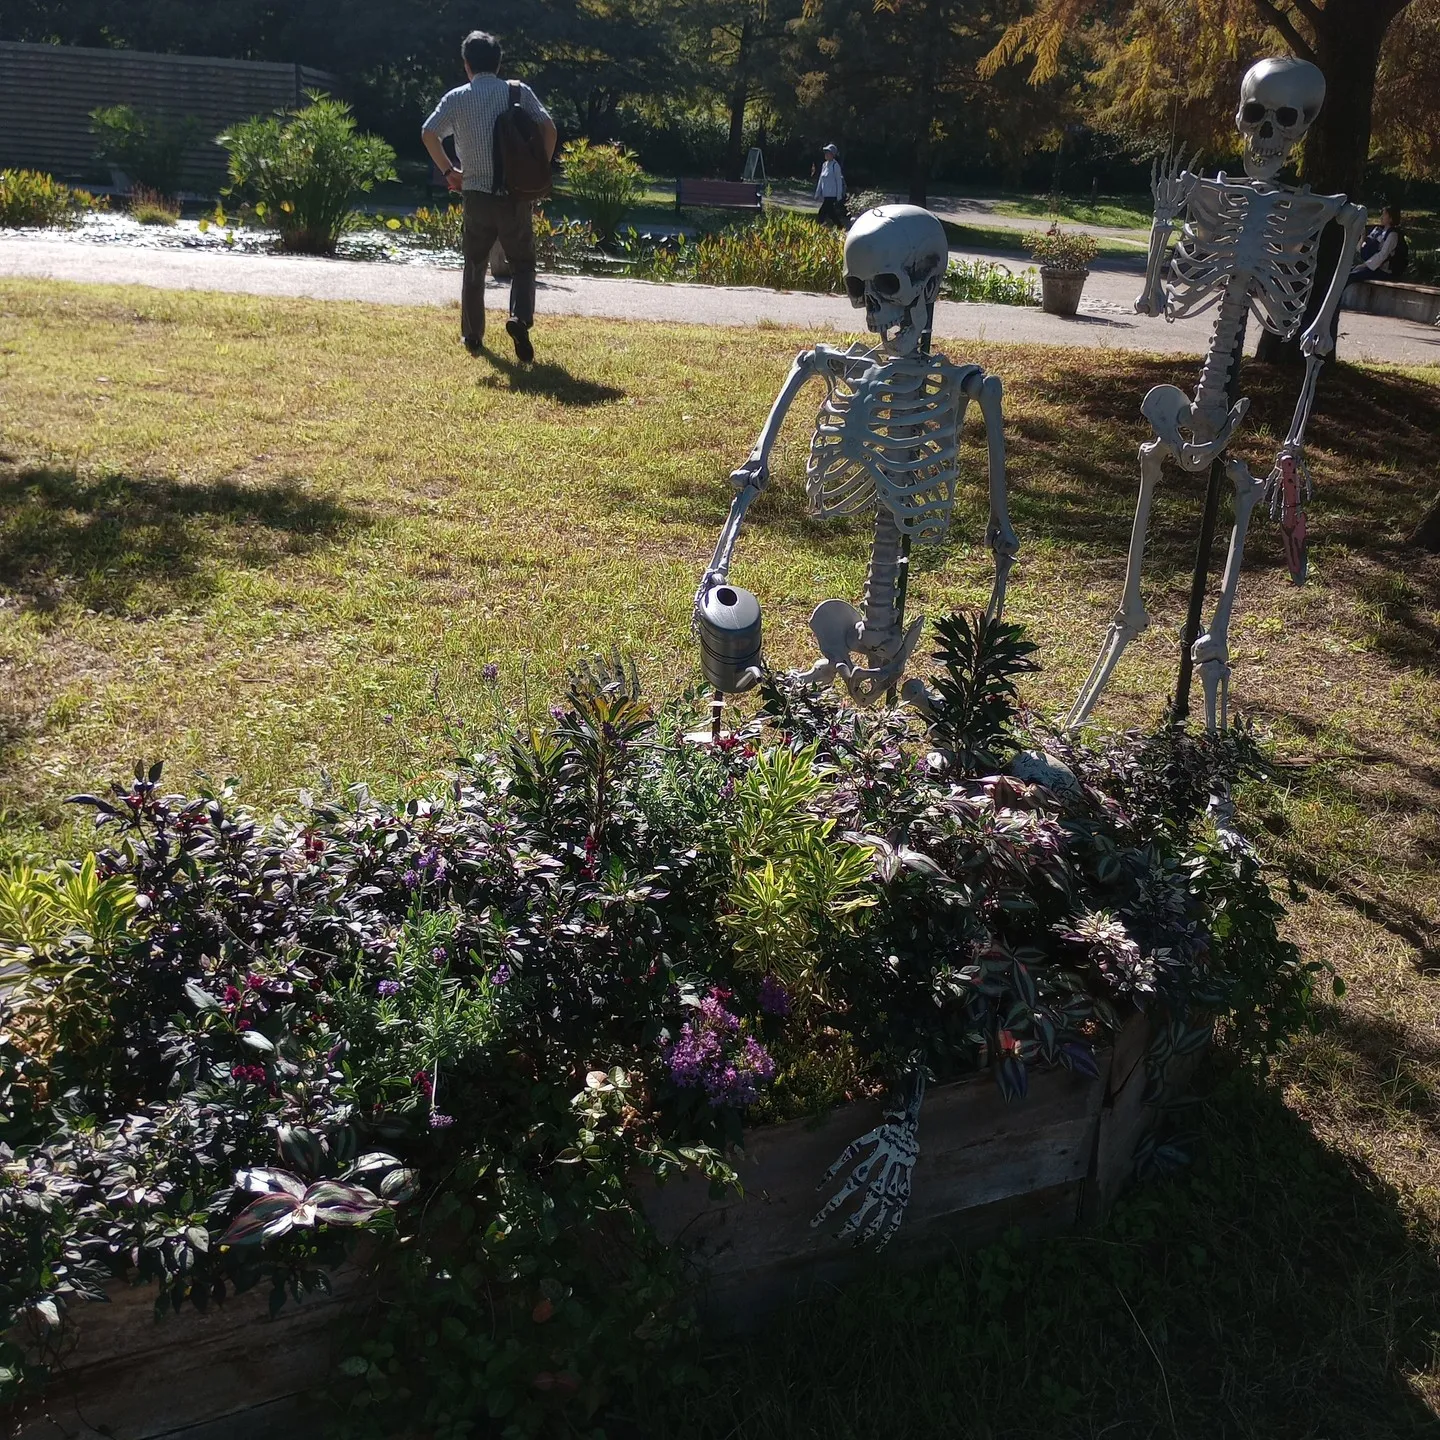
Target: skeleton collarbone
{"x": 888, "y": 434}
{"x": 1254, "y": 238}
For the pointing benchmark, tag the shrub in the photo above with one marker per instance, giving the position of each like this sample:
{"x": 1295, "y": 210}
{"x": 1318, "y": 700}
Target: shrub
{"x": 783, "y": 250}
{"x": 150, "y": 207}
{"x": 440, "y": 229}
{"x": 30, "y": 197}
{"x": 1057, "y": 249}
{"x": 564, "y": 244}
{"x": 462, "y": 1023}
{"x": 606, "y": 179}
{"x": 986, "y": 282}
{"x": 149, "y": 148}
{"x": 304, "y": 171}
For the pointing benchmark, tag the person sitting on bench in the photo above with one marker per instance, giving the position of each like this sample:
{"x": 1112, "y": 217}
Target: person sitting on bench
{"x": 1382, "y": 252}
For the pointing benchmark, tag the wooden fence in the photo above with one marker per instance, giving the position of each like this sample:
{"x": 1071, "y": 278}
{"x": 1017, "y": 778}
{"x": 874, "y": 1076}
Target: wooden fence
{"x": 48, "y": 91}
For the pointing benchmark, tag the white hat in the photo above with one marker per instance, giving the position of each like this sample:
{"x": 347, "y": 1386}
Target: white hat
{"x": 831, "y": 150}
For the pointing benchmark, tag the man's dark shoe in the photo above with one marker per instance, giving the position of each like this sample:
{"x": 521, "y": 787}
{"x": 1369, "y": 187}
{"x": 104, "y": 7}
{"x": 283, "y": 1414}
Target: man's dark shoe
{"x": 475, "y": 347}
{"x": 520, "y": 334}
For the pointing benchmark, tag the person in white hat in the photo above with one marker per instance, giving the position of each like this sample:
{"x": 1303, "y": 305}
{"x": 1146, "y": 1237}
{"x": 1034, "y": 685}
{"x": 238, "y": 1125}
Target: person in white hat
{"x": 830, "y": 190}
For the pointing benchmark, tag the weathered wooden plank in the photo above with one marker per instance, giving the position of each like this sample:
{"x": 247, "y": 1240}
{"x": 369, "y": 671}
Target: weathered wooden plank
{"x": 977, "y": 1150}
{"x": 738, "y": 1301}
{"x": 141, "y": 1379}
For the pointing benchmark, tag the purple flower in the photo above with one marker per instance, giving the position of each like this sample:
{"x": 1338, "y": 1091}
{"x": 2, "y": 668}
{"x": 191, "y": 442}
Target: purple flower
{"x": 491, "y": 673}
{"x": 775, "y": 998}
{"x": 411, "y": 878}
{"x": 387, "y": 988}
{"x": 439, "y": 1121}
{"x": 438, "y": 954}
{"x": 557, "y": 712}
{"x": 710, "y": 1054}
{"x": 727, "y": 790}
{"x": 500, "y": 975}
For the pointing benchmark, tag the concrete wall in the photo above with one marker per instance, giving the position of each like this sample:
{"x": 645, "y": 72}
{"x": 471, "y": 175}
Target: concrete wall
{"x": 1395, "y": 297}
{"x": 48, "y": 91}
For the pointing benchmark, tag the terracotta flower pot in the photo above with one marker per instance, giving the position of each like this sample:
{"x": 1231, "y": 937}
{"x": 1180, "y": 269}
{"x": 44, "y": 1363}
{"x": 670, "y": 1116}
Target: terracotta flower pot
{"x": 1060, "y": 290}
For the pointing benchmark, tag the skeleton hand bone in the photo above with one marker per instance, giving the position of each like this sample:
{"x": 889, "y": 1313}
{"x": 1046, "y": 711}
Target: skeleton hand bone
{"x": 884, "y": 1175}
{"x": 1172, "y": 182}
{"x": 888, "y": 1193}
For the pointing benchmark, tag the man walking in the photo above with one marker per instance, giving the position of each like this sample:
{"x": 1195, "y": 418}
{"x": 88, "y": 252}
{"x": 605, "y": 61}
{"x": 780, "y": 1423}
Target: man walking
{"x": 469, "y": 113}
{"x": 830, "y": 190}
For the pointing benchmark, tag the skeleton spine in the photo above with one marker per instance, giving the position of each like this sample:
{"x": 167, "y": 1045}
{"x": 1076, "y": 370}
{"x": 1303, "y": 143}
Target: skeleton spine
{"x": 1213, "y": 392}
{"x": 882, "y": 579}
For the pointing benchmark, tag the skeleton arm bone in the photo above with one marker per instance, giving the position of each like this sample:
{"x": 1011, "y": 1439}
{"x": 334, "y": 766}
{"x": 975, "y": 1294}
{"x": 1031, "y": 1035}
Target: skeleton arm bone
{"x": 1000, "y": 536}
{"x": 753, "y": 476}
{"x": 1170, "y": 184}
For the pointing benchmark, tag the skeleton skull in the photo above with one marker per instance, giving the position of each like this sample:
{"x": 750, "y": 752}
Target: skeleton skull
{"x": 895, "y": 259}
{"x": 1279, "y": 100}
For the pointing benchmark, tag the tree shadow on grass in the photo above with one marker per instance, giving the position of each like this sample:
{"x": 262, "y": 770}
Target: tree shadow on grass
{"x": 1370, "y": 441}
{"x": 1274, "y": 1290}
{"x": 547, "y": 378}
{"x": 137, "y": 546}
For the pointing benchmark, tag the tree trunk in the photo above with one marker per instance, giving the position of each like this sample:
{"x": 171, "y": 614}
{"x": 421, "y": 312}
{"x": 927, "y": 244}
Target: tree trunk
{"x": 739, "y": 96}
{"x": 1427, "y": 533}
{"x": 921, "y": 154}
{"x": 1348, "y": 37}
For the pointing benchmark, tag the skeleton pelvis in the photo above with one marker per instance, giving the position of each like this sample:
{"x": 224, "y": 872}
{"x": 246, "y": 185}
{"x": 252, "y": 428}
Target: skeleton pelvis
{"x": 1170, "y": 412}
{"x": 839, "y": 630}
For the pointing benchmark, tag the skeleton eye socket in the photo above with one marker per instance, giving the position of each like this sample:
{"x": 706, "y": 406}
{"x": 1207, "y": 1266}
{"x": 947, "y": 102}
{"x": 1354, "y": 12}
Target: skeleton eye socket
{"x": 1254, "y": 112}
{"x": 887, "y": 284}
{"x": 854, "y": 287}
{"x": 1287, "y": 115}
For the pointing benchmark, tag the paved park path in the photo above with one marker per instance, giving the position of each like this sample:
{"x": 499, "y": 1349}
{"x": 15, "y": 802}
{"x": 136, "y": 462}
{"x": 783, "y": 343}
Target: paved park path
{"x": 1107, "y": 318}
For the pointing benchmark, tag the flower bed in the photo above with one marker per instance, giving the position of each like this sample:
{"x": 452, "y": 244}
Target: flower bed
{"x": 468, "y": 1028}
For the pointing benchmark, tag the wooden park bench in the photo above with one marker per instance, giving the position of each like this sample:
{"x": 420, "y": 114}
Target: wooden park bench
{"x": 717, "y": 195}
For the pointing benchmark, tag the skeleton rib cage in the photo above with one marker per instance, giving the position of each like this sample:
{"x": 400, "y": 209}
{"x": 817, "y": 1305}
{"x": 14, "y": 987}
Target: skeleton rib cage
{"x": 887, "y": 432}
{"x": 1255, "y": 234}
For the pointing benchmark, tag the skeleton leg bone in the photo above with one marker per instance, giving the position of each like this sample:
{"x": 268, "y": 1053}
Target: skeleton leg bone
{"x": 1131, "y": 619}
{"x": 1000, "y": 536}
{"x": 1211, "y": 652}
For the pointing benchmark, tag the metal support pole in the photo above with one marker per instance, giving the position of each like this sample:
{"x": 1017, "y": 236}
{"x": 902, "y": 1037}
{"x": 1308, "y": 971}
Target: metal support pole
{"x": 902, "y": 585}
{"x": 1200, "y": 580}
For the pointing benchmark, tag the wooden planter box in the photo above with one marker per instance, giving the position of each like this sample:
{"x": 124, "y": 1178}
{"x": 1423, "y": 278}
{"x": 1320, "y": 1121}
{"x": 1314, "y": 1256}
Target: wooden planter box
{"x": 1052, "y": 1161}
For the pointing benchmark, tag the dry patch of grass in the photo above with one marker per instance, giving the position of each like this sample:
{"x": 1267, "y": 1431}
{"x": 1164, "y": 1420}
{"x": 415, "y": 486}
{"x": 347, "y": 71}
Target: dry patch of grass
{"x": 267, "y": 538}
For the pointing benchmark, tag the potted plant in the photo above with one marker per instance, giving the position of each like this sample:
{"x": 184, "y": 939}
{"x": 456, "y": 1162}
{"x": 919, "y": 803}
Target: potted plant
{"x": 1064, "y": 258}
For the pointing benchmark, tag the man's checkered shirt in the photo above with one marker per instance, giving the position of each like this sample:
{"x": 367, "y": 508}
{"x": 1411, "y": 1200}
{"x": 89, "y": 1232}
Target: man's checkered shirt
{"x": 469, "y": 113}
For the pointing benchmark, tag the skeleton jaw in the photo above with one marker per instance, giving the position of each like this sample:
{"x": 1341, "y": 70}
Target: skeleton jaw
{"x": 1265, "y": 159}
{"x": 896, "y": 327}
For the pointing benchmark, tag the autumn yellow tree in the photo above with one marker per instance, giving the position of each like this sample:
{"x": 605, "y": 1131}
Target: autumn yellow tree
{"x": 1158, "y": 56}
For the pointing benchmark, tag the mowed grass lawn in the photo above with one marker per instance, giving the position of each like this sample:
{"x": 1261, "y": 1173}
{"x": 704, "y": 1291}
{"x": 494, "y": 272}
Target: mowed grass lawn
{"x": 282, "y": 540}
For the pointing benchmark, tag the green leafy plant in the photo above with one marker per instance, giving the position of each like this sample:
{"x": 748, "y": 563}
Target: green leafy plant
{"x": 986, "y": 282}
{"x": 1057, "y": 249}
{"x": 148, "y": 147}
{"x": 972, "y": 706}
{"x": 468, "y": 1027}
{"x": 441, "y": 228}
{"x": 783, "y": 250}
{"x": 304, "y": 171}
{"x": 30, "y": 197}
{"x": 606, "y": 179}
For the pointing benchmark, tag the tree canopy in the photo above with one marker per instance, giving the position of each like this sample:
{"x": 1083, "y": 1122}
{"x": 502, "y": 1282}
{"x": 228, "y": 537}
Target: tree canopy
{"x": 909, "y": 89}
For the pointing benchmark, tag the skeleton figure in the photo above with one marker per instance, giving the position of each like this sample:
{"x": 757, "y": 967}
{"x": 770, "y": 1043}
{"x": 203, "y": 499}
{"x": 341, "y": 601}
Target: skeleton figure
{"x": 1247, "y": 246}
{"x": 886, "y": 441}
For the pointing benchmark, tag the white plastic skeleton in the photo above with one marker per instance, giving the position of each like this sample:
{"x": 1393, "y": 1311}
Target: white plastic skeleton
{"x": 886, "y": 440}
{"x": 1247, "y": 246}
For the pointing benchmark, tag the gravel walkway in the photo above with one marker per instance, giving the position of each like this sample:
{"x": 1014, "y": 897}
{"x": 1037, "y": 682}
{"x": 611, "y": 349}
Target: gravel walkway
{"x": 1107, "y": 318}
